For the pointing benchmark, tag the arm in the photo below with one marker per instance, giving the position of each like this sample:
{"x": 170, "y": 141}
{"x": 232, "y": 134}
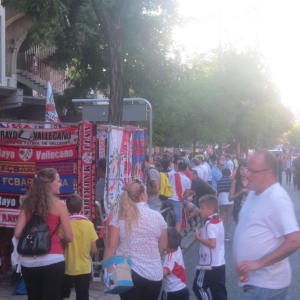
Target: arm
{"x": 65, "y": 222}
{"x": 20, "y": 224}
{"x": 100, "y": 208}
{"x": 232, "y": 194}
{"x": 163, "y": 242}
{"x": 113, "y": 242}
{"x": 210, "y": 243}
{"x": 289, "y": 246}
{"x": 93, "y": 248}
{"x": 166, "y": 272}
{"x": 154, "y": 188}
{"x": 187, "y": 193}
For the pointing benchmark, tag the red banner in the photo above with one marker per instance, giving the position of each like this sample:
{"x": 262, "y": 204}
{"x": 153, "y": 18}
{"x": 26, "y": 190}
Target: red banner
{"x": 8, "y": 217}
{"x": 86, "y": 162}
{"x": 17, "y": 154}
{"x": 39, "y": 137}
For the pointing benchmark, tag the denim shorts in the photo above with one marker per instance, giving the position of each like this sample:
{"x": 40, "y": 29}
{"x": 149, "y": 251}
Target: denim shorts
{"x": 177, "y": 209}
{"x": 252, "y": 292}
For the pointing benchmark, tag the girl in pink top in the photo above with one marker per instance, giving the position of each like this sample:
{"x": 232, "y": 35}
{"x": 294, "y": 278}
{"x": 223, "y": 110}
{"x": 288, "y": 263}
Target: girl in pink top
{"x": 43, "y": 275}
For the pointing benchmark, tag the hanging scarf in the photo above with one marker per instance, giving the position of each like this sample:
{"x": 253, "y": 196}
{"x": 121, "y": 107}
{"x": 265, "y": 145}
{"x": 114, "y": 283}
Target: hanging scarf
{"x": 78, "y": 217}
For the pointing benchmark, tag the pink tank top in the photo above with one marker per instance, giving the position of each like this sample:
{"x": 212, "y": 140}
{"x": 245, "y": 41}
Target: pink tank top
{"x": 52, "y": 222}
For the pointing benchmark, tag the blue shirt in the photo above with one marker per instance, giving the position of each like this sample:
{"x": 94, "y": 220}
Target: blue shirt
{"x": 216, "y": 176}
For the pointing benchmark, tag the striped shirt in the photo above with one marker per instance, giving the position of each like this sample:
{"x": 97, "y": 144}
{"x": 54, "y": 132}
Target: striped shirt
{"x": 224, "y": 184}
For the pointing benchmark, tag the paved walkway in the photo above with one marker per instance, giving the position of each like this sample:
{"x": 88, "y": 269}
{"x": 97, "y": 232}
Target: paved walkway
{"x": 96, "y": 293}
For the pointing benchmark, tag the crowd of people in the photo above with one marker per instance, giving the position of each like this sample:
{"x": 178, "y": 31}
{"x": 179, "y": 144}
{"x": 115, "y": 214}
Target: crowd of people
{"x": 215, "y": 188}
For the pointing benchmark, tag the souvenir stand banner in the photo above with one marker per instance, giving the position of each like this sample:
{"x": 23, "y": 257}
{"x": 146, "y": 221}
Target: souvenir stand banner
{"x": 118, "y": 168}
{"x": 119, "y": 171}
{"x": 24, "y": 151}
{"x": 138, "y": 155}
{"x": 87, "y": 167}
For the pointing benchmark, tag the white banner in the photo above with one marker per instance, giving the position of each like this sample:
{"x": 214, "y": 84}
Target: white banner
{"x": 51, "y": 113}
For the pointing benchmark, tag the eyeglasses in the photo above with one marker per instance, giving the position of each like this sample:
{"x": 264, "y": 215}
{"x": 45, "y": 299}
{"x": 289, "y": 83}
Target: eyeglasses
{"x": 221, "y": 165}
{"x": 251, "y": 172}
{"x": 140, "y": 183}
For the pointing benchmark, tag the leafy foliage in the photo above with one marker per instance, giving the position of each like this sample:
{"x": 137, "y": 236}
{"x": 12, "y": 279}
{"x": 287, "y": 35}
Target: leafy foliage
{"x": 294, "y": 136}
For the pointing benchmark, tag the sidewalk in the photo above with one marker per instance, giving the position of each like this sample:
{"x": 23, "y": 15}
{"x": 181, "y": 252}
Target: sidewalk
{"x": 96, "y": 288}
{"x": 96, "y": 293}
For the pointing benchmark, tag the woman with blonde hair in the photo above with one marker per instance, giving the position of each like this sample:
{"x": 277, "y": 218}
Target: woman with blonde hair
{"x": 43, "y": 275}
{"x": 146, "y": 231}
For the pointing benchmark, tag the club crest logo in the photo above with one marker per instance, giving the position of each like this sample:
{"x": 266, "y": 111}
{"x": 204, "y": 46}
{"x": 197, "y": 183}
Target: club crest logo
{"x": 25, "y": 154}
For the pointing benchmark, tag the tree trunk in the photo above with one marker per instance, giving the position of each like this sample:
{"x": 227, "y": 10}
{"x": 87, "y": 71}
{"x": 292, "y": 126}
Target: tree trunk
{"x": 112, "y": 29}
{"x": 116, "y": 80}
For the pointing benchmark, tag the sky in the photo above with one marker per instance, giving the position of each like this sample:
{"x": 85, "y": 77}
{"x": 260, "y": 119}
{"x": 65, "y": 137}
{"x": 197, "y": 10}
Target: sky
{"x": 270, "y": 26}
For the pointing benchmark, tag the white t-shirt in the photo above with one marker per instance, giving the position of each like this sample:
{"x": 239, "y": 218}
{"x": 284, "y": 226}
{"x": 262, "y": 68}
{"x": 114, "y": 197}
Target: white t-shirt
{"x": 229, "y": 165}
{"x": 224, "y": 199}
{"x": 143, "y": 242}
{"x": 212, "y": 229}
{"x": 209, "y": 174}
{"x": 185, "y": 184}
{"x": 264, "y": 220}
{"x": 204, "y": 170}
{"x": 199, "y": 171}
{"x": 174, "y": 264}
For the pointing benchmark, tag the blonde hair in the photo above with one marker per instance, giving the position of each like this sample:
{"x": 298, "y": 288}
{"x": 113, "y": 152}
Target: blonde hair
{"x": 39, "y": 198}
{"x": 128, "y": 210}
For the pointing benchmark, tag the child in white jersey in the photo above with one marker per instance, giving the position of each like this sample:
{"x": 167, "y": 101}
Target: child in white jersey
{"x": 174, "y": 271}
{"x": 210, "y": 273}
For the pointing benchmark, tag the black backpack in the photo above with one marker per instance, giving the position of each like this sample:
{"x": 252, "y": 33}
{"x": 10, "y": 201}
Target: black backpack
{"x": 35, "y": 239}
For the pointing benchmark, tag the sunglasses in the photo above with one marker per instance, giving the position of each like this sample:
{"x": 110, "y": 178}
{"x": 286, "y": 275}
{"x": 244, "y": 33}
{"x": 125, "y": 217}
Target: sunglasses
{"x": 140, "y": 183}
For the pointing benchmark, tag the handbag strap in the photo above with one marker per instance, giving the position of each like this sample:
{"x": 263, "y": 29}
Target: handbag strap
{"x": 126, "y": 250}
{"x": 55, "y": 229}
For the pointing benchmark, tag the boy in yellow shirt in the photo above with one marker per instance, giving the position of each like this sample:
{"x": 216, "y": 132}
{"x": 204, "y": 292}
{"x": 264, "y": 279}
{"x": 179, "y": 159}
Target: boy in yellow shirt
{"x": 78, "y": 252}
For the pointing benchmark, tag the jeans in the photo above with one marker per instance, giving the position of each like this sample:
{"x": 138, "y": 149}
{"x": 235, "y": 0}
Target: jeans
{"x": 252, "y": 292}
{"x": 177, "y": 209}
{"x": 44, "y": 283}
{"x": 81, "y": 283}
{"x": 156, "y": 206}
{"x": 288, "y": 175}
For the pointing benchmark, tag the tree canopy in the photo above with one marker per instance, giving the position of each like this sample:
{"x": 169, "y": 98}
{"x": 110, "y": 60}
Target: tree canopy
{"x": 99, "y": 39}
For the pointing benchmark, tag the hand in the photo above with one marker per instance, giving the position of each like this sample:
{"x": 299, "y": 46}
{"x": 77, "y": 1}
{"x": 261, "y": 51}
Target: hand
{"x": 247, "y": 265}
{"x": 110, "y": 268}
{"x": 197, "y": 234}
{"x": 245, "y": 191}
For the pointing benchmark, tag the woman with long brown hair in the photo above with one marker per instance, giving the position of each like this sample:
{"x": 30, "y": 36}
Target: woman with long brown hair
{"x": 239, "y": 191}
{"x": 43, "y": 275}
{"x": 146, "y": 231}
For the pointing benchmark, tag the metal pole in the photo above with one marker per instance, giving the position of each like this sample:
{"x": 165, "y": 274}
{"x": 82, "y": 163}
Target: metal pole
{"x": 128, "y": 100}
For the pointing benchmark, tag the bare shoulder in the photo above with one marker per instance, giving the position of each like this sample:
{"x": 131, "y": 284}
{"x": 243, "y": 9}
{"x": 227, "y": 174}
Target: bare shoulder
{"x": 58, "y": 207}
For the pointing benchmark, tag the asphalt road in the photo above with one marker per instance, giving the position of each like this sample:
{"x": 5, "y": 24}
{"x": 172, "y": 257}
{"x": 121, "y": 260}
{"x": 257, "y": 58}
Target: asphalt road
{"x": 235, "y": 292}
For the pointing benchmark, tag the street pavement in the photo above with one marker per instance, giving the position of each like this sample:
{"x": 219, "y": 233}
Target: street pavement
{"x": 234, "y": 291}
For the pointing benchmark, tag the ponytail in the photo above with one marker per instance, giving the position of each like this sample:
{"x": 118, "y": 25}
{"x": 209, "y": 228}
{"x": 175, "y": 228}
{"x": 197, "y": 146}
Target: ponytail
{"x": 128, "y": 211}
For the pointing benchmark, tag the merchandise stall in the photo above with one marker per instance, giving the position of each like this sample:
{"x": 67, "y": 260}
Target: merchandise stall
{"x": 72, "y": 149}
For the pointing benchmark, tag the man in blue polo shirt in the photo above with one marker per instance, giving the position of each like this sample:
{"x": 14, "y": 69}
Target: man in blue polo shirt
{"x": 217, "y": 173}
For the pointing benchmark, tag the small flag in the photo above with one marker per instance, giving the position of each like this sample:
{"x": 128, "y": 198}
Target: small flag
{"x": 51, "y": 113}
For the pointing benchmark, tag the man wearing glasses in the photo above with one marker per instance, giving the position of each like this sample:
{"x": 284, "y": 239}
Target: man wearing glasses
{"x": 217, "y": 173}
{"x": 266, "y": 234}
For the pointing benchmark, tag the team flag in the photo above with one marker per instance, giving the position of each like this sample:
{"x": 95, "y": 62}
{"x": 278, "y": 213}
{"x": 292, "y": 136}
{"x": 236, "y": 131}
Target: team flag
{"x": 51, "y": 113}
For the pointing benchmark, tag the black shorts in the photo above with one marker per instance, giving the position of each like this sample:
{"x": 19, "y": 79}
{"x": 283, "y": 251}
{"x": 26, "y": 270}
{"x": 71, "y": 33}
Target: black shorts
{"x": 183, "y": 294}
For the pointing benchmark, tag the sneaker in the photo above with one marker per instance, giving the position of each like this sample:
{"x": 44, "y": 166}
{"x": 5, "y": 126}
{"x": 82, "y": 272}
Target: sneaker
{"x": 227, "y": 237}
